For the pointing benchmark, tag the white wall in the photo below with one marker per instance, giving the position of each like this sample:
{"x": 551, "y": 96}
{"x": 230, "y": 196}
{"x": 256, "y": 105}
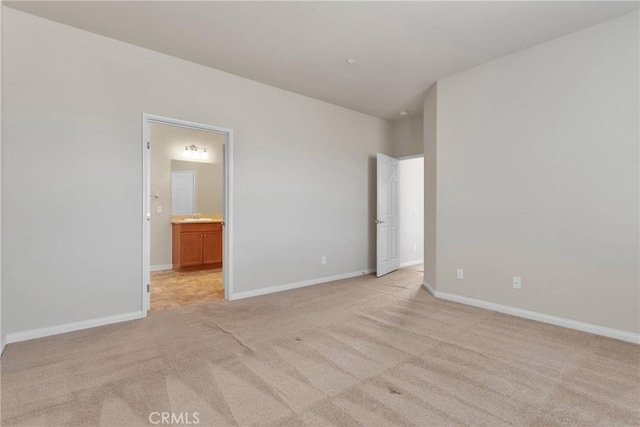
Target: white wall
{"x": 2, "y": 333}
{"x": 407, "y": 136}
{"x": 411, "y": 200}
{"x": 304, "y": 173}
{"x": 537, "y": 157}
{"x": 168, "y": 144}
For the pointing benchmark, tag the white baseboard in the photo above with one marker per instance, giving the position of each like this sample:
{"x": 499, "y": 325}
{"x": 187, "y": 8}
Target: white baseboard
{"x": 410, "y": 263}
{"x": 161, "y": 267}
{"x": 70, "y": 327}
{"x": 540, "y": 317}
{"x": 429, "y": 288}
{"x": 287, "y": 287}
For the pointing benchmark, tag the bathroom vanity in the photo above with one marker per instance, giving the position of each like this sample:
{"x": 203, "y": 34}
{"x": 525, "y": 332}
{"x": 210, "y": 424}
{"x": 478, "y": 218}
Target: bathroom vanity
{"x": 197, "y": 243}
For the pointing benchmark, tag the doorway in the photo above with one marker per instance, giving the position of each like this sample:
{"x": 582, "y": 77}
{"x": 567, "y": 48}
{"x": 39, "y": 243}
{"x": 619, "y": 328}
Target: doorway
{"x": 400, "y": 213}
{"x": 411, "y": 207}
{"x": 188, "y": 215}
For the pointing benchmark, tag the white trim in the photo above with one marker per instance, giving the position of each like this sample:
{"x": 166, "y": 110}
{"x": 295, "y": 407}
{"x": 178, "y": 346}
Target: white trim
{"x": 161, "y": 267}
{"x": 70, "y": 327}
{"x": 146, "y": 215}
{"x": 227, "y": 250}
{"x": 540, "y": 317}
{"x": 410, "y": 263}
{"x": 3, "y": 345}
{"x": 227, "y": 231}
{"x": 296, "y": 285}
{"x": 429, "y": 288}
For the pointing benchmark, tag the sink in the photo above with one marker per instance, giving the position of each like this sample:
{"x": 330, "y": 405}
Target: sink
{"x": 198, "y": 220}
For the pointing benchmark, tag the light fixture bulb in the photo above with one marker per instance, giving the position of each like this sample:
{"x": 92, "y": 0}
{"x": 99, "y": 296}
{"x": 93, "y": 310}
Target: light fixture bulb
{"x": 205, "y": 156}
{"x": 186, "y": 152}
{"x": 403, "y": 113}
{"x": 351, "y": 61}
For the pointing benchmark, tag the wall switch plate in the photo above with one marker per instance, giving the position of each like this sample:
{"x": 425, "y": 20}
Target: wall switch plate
{"x": 517, "y": 282}
{"x": 324, "y": 259}
{"x": 159, "y": 209}
{"x": 460, "y": 274}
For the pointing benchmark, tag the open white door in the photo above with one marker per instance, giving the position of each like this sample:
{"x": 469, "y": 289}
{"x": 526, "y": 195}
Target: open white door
{"x": 387, "y": 231}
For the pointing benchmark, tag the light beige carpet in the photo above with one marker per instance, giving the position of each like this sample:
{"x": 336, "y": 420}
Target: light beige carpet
{"x": 364, "y": 351}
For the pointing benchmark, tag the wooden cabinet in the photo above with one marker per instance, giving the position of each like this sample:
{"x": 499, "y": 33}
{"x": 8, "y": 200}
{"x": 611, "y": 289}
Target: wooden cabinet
{"x": 197, "y": 245}
{"x": 212, "y": 247}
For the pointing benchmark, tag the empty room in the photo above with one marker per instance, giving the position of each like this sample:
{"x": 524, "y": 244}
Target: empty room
{"x": 317, "y": 214}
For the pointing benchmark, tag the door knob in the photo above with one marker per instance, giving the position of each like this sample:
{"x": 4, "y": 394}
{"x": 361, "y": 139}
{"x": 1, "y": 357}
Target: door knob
{"x": 379, "y": 222}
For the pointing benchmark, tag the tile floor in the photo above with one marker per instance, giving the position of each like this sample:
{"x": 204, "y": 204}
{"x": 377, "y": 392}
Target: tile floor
{"x": 170, "y": 289}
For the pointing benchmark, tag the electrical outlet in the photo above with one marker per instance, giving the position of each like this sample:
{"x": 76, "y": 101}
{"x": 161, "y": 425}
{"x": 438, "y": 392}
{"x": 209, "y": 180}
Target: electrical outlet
{"x": 324, "y": 260}
{"x": 517, "y": 282}
{"x": 460, "y": 274}
{"x": 159, "y": 209}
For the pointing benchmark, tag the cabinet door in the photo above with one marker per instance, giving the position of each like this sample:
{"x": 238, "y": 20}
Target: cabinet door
{"x": 191, "y": 248}
{"x": 212, "y": 247}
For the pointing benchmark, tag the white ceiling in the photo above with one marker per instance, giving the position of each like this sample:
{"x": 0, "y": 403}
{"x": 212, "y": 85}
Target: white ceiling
{"x": 401, "y": 48}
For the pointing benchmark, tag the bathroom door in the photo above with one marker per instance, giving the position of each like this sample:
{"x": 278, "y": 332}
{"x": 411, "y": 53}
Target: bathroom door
{"x": 183, "y": 192}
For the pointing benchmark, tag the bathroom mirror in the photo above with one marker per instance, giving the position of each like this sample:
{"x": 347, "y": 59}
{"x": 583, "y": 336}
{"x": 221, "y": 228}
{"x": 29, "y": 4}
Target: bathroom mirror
{"x": 196, "y": 188}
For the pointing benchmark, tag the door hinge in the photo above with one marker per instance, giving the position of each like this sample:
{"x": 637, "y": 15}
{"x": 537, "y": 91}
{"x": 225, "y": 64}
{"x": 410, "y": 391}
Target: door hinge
{"x": 148, "y": 288}
{"x": 148, "y": 145}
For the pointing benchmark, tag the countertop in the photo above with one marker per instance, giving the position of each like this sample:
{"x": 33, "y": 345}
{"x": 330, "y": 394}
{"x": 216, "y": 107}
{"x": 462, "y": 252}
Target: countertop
{"x": 188, "y": 219}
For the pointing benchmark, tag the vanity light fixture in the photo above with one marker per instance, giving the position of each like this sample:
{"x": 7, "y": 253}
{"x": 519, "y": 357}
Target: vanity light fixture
{"x": 193, "y": 152}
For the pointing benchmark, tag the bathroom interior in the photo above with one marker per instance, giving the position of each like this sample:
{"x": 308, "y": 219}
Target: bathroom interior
{"x": 186, "y": 186}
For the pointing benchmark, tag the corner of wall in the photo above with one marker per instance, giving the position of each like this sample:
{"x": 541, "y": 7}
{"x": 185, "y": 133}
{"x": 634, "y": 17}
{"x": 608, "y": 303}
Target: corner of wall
{"x": 2, "y": 334}
{"x": 430, "y": 184}
{"x": 407, "y": 137}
